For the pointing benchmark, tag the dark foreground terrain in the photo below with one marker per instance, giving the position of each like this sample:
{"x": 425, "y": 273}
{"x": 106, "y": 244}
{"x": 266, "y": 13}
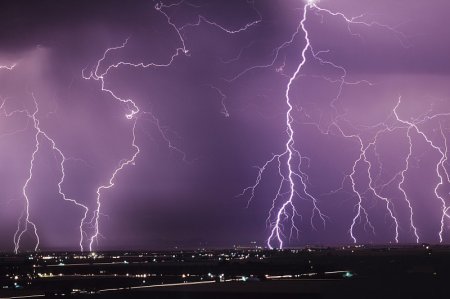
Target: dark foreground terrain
{"x": 347, "y": 272}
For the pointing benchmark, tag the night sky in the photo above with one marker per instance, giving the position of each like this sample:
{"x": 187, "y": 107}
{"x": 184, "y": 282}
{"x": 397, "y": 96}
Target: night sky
{"x": 203, "y": 84}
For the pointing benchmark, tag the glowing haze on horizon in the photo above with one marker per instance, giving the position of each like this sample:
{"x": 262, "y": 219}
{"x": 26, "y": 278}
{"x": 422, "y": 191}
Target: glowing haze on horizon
{"x": 217, "y": 123}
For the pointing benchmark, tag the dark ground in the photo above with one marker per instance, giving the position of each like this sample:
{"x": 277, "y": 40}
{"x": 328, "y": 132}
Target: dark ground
{"x": 366, "y": 288}
{"x": 350, "y": 272}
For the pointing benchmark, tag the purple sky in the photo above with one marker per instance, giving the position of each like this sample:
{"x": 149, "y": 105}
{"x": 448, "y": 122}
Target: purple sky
{"x": 217, "y": 111}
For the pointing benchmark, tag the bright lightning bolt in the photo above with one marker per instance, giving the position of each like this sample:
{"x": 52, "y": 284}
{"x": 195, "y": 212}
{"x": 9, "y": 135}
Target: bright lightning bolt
{"x": 440, "y": 166}
{"x": 362, "y": 158}
{"x": 134, "y": 111}
{"x": 131, "y": 115}
{"x": 23, "y": 223}
{"x": 8, "y": 67}
{"x": 372, "y": 187}
{"x": 291, "y": 159}
{"x": 24, "y": 220}
{"x": 26, "y": 213}
{"x": 276, "y": 232}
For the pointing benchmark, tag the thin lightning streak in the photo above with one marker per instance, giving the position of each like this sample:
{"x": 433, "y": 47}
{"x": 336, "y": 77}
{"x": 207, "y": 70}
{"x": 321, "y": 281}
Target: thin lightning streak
{"x": 402, "y": 182}
{"x": 276, "y": 230}
{"x": 360, "y": 210}
{"x": 7, "y": 114}
{"x": 439, "y": 166}
{"x": 165, "y": 137}
{"x": 372, "y": 187}
{"x": 42, "y": 134}
{"x": 241, "y": 52}
{"x": 342, "y": 81}
{"x": 357, "y": 21}
{"x": 201, "y": 19}
{"x": 273, "y": 61}
{"x": 389, "y": 205}
{"x": 39, "y": 133}
{"x": 359, "y": 206}
{"x": 100, "y": 77}
{"x": 261, "y": 170}
{"x": 223, "y": 97}
{"x": 26, "y": 213}
{"x": 226, "y": 30}
{"x": 291, "y": 153}
{"x": 159, "y": 7}
{"x": 400, "y": 176}
{"x": 402, "y": 173}
{"x": 134, "y": 111}
{"x": 61, "y": 181}
{"x": 110, "y": 184}
{"x": 445, "y": 209}
{"x": 287, "y": 209}
{"x": 8, "y": 67}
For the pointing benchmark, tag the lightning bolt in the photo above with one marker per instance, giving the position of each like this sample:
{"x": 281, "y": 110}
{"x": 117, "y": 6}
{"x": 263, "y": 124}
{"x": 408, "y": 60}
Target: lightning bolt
{"x": 445, "y": 208}
{"x": 8, "y": 67}
{"x": 134, "y": 113}
{"x": 223, "y": 97}
{"x": 7, "y": 114}
{"x": 440, "y": 166}
{"x": 203, "y": 19}
{"x": 133, "y": 110}
{"x": 290, "y": 161}
{"x": 26, "y": 213}
{"x": 293, "y": 175}
{"x": 361, "y": 211}
{"x": 24, "y": 219}
{"x": 373, "y": 188}
{"x": 161, "y": 7}
{"x": 402, "y": 181}
{"x": 441, "y": 171}
{"x": 276, "y": 232}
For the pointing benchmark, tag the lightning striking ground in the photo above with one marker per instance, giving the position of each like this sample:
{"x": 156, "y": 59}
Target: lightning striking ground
{"x": 293, "y": 175}
{"x": 440, "y": 166}
{"x": 99, "y": 74}
{"x": 291, "y": 158}
{"x": 24, "y": 220}
{"x": 134, "y": 112}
